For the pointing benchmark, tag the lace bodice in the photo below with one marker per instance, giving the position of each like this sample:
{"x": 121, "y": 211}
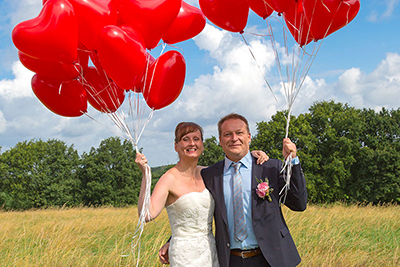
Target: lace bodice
{"x": 192, "y": 242}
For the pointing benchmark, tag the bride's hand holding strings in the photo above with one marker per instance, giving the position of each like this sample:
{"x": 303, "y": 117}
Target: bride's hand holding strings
{"x": 141, "y": 161}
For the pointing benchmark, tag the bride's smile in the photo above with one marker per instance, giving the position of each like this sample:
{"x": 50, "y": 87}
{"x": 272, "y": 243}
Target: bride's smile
{"x": 190, "y": 144}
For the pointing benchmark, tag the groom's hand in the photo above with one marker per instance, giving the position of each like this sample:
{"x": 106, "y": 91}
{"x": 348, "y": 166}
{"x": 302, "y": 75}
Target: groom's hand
{"x": 289, "y": 148}
{"x": 163, "y": 254}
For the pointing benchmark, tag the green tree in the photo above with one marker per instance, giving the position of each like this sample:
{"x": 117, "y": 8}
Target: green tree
{"x": 376, "y": 177}
{"x": 39, "y": 174}
{"x": 347, "y": 154}
{"x": 338, "y": 129}
{"x": 212, "y": 152}
{"x": 110, "y": 175}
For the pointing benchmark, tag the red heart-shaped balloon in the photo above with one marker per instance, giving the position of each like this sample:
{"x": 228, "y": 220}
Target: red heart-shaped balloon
{"x": 261, "y": 8}
{"x": 279, "y": 6}
{"x": 151, "y": 17}
{"x": 54, "y": 70}
{"x": 138, "y": 86}
{"x": 226, "y": 14}
{"x": 189, "y": 23}
{"x": 297, "y": 23}
{"x": 122, "y": 55}
{"x": 92, "y": 16}
{"x": 328, "y": 16}
{"x": 165, "y": 79}
{"x": 102, "y": 93}
{"x": 63, "y": 98}
{"x": 52, "y": 35}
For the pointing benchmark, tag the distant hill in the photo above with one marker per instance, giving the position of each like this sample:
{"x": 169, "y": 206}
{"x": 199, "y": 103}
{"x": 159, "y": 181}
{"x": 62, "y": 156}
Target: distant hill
{"x": 156, "y": 172}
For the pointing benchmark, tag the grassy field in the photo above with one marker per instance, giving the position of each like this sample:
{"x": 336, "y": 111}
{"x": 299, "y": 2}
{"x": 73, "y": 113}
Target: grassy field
{"x": 336, "y": 235}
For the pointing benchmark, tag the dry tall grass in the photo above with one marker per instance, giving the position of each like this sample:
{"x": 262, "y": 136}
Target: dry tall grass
{"x": 344, "y": 236}
{"x": 337, "y": 235}
{"x": 77, "y": 237}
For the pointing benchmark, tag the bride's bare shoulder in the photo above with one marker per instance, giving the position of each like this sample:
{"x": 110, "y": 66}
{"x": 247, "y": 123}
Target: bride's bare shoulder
{"x": 170, "y": 175}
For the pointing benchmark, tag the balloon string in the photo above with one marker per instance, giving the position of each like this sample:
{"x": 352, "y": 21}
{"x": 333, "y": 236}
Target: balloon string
{"x": 259, "y": 68}
{"x": 144, "y": 126}
{"x": 120, "y": 119}
{"x": 287, "y": 174}
{"x": 274, "y": 49}
{"x": 145, "y": 213}
{"x": 300, "y": 63}
{"x": 90, "y": 117}
{"x": 256, "y": 34}
{"x": 112, "y": 93}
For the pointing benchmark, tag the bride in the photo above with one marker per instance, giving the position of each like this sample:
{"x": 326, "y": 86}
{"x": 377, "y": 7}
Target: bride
{"x": 189, "y": 204}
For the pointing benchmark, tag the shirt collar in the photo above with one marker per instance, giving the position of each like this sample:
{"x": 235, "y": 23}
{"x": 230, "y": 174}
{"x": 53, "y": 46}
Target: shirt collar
{"x": 246, "y": 162}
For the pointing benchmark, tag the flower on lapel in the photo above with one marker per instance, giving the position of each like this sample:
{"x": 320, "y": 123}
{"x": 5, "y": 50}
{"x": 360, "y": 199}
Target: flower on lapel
{"x": 263, "y": 190}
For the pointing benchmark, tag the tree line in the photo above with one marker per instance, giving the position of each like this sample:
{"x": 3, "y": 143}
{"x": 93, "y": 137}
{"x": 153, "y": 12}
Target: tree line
{"x": 37, "y": 174}
{"x": 347, "y": 154}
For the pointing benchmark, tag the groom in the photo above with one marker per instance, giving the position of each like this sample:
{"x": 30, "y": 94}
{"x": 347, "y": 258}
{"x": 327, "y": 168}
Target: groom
{"x": 261, "y": 237}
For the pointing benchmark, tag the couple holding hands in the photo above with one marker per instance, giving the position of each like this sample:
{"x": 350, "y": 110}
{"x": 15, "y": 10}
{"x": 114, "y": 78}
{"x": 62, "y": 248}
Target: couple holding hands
{"x": 240, "y": 192}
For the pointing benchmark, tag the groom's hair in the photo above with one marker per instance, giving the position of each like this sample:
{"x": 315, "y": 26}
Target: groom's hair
{"x": 184, "y": 128}
{"x": 232, "y": 116}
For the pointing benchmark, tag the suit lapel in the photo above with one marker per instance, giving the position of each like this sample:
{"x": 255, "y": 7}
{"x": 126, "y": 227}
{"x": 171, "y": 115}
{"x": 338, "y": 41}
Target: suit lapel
{"x": 256, "y": 172}
{"x": 219, "y": 191}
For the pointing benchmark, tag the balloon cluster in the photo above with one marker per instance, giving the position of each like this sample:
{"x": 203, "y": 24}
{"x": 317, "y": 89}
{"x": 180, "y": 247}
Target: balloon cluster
{"x": 116, "y": 35}
{"x": 307, "y": 20}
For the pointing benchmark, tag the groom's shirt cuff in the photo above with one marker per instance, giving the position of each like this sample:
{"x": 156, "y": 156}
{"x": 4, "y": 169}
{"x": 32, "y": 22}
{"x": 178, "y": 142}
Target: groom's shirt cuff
{"x": 295, "y": 161}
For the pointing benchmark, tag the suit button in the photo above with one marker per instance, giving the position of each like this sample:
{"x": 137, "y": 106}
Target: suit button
{"x": 228, "y": 245}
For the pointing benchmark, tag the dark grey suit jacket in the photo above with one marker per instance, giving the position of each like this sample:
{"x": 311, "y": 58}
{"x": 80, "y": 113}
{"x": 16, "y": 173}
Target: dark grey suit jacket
{"x": 270, "y": 228}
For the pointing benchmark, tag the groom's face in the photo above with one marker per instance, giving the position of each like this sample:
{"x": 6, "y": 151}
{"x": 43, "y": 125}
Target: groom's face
{"x": 234, "y": 139}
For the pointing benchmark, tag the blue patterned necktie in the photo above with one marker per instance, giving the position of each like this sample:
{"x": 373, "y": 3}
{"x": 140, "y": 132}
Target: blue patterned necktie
{"x": 238, "y": 209}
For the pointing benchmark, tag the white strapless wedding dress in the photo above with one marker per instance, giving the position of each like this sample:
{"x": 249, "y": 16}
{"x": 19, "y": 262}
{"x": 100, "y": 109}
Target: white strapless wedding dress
{"x": 192, "y": 242}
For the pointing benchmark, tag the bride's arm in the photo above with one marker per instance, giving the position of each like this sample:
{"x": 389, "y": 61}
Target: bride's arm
{"x": 163, "y": 253}
{"x": 260, "y": 155}
{"x": 160, "y": 192}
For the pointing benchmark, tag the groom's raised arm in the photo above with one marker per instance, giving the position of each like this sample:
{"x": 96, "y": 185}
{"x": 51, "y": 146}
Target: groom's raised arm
{"x": 296, "y": 198}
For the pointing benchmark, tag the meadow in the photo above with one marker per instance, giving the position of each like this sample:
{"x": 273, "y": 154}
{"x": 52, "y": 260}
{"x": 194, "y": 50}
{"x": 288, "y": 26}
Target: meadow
{"x": 332, "y": 235}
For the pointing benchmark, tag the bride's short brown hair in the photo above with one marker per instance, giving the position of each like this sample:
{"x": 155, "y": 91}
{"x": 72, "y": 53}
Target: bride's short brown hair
{"x": 184, "y": 128}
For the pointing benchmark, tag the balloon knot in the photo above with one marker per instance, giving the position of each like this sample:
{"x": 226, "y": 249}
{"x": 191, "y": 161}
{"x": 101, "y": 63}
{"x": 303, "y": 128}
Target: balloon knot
{"x": 241, "y": 32}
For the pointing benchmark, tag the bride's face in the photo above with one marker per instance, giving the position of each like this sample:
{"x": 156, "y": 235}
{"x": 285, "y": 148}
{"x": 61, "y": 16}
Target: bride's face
{"x": 190, "y": 145}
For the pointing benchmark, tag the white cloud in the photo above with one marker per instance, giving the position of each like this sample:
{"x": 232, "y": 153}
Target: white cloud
{"x": 3, "y": 123}
{"x": 20, "y": 86}
{"x": 236, "y": 80}
{"x": 24, "y": 10}
{"x": 391, "y": 5}
{"x": 193, "y": 2}
{"x": 349, "y": 81}
{"x": 377, "y": 14}
{"x": 378, "y": 89}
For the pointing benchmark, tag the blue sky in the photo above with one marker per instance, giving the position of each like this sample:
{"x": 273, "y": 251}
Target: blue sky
{"x": 358, "y": 65}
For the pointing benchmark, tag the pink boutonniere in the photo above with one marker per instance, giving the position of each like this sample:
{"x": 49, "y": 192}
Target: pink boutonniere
{"x": 263, "y": 190}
